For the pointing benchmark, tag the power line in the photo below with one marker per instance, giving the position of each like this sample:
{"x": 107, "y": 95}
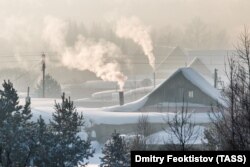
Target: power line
{"x": 136, "y": 63}
{"x": 16, "y": 61}
{"x": 25, "y": 73}
{"x": 11, "y": 56}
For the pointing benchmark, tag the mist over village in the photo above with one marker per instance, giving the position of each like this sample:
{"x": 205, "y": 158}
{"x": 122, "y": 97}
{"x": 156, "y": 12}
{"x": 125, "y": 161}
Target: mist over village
{"x": 87, "y": 82}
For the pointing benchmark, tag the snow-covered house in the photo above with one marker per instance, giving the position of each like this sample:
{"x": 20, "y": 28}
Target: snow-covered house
{"x": 185, "y": 83}
{"x": 166, "y": 98}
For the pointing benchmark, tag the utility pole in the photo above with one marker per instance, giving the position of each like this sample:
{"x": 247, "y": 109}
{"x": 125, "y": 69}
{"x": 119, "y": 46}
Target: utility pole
{"x": 43, "y": 70}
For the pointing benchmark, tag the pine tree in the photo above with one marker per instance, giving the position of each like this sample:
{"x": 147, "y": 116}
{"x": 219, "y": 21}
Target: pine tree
{"x": 45, "y": 141}
{"x": 116, "y": 152}
{"x": 8, "y": 102}
{"x": 69, "y": 149}
{"x": 15, "y": 128}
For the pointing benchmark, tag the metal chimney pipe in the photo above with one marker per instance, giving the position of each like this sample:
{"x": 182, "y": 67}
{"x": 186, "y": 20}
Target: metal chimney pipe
{"x": 121, "y": 98}
{"x": 215, "y": 77}
{"x": 28, "y": 96}
{"x": 154, "y": 78}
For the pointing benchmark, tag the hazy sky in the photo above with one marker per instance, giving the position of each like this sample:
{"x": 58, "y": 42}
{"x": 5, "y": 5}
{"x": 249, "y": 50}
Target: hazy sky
{"x": 21, "y": 21}
{"x": 232, "y": 13}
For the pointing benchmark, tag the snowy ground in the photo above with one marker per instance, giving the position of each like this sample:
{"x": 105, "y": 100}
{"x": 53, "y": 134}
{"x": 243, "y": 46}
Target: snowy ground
{"x": 45, "y": 108}
{"x": 162, "y": 137}
{"x": 95, "y": 161}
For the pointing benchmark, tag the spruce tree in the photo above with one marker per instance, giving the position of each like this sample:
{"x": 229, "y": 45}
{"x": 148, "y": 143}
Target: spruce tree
{"x": 69, "y": 149}
{"x": 52, "y": 87}
{"x": 116, "y": 152}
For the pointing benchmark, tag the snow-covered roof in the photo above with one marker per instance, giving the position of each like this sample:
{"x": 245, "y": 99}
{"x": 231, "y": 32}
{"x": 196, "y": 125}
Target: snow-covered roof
{"x": 129, "y": 107}
{"x": 115, "y": 93}
{"x": 211, "y": 58}
{"x": 200, "y": 82}
{"x": 45, "y": 108}
{"x": 198, "y": 65}
{"x": 177, "y": 58}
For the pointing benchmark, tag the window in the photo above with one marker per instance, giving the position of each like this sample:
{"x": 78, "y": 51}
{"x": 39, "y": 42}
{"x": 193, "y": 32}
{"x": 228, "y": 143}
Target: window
{"x": 190, "y": 94}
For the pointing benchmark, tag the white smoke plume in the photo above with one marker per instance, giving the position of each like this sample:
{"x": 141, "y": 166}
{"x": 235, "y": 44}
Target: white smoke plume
{"x": 54, "y": 33}
{"x": 132, "y": 28}
{"x": 99, "y": 57}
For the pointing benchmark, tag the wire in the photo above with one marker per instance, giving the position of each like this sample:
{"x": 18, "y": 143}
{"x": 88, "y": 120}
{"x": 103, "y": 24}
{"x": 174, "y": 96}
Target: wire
{"x": 10, "y": 56}
{"x": 25, "y": 73}
{"x": 15, "y": 61}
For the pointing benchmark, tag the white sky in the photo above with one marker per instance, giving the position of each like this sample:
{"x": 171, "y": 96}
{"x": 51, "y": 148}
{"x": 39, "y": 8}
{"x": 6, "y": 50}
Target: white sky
{"x": 21, "y": 21}
{"x": 233, "y": 13}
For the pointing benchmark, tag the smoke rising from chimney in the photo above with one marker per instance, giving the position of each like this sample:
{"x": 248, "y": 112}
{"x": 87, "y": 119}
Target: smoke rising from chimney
{"x": 132, "y": 28}
{"x": 54, "y": 33}
{"x": 99, "y": 57}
